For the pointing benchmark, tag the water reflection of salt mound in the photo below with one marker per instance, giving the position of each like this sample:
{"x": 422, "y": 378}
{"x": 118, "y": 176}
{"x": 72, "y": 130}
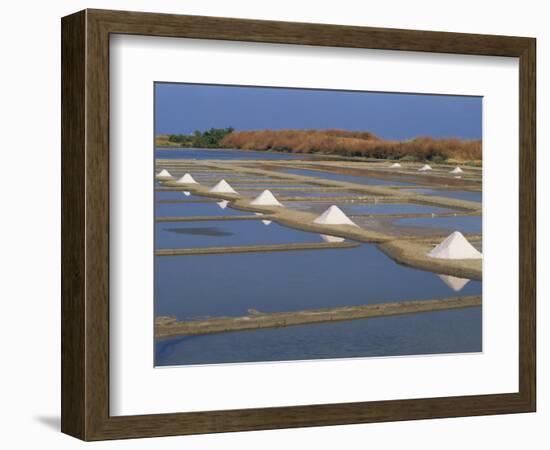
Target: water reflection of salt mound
{"x": 164, "y": 175}
{"x": 223, "y": 187}
{"x": 334, "y": 216}
{"x": 266, "y": 198}
{"x": 425, "y": 168}
{"x": 186, "y": 193}
{"x": 455, "y": 283}
{"x": 266, "y": 222}
{"x": 455, "y": 246}
{"x": 186, "y": 179}
{"x": 223, "y": 204}
{"x": 329, "y": 238}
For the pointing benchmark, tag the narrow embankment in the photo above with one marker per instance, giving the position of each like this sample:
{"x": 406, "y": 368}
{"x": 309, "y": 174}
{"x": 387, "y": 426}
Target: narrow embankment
{"x": 166, "y": 327}
{"x": 253, "y": 248}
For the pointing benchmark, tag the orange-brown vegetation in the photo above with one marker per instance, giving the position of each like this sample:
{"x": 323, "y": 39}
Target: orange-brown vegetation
{"x": 354, "y": 143}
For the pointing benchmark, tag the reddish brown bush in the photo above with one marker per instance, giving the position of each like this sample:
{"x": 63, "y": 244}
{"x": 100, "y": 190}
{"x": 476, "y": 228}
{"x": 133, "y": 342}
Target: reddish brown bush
{"x": 354, "y": 143}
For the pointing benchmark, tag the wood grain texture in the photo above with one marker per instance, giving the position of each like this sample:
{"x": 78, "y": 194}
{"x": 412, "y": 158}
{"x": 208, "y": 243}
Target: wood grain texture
{"x": 73, "y": 108}
{"x": 85, "y": 224}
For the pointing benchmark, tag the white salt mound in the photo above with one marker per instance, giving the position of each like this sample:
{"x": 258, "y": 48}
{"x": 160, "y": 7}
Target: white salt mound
{"x": 223, "y": 204}
{"x": 187, "y": 179}
{"x": 334, "y": 216}
{"x": 223, "y": 187}
{"x": 186, "y": 193}
{"x": 455, "y": 246}
{"x": 456, "y": 170}
{"x": 164, "y": 174}
{"x": 329, "y": 238}
{"x": 266, "y": 198}
{"x": 455, "y": 283}
{"x": 424, "y": 168}
{"x": 266, "y": 222}
{"x": 395, "y": 165}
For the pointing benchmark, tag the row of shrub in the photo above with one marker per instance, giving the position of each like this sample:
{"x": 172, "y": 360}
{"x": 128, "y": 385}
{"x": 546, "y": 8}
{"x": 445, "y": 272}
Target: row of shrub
{"x": 211, "y": 138}
{"x": 354, "y": 143}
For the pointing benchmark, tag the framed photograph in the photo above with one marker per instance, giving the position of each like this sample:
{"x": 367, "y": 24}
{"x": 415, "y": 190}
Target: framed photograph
{"x": 273, "y": 225}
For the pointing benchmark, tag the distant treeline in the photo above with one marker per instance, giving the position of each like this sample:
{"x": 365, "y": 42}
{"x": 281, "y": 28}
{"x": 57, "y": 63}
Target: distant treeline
{"x": 355, "y": 143}
{"x": 208, "y": 139}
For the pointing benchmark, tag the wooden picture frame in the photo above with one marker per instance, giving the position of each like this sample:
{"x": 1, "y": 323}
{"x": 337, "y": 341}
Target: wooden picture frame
{"x": 85, "y": 224}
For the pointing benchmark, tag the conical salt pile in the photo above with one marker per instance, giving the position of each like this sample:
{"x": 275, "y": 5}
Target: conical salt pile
{"x": 187, "y": 179}
{"x": 424, "y": 168}
{"x": 456, "y": 170}
{"x": 223, "y": 204}
{"x": 329, "y": 238}
{"x": 186, "y": 193}
{"x": 395, "y": 165}
{"x": 455, "y": 246}
{"x": 334, "y": 216}
{"x": 164, "y": 175}
{"x": 266, "y": 198}
{"x": 455, "y": 283}
{"x": 223, "y": 187}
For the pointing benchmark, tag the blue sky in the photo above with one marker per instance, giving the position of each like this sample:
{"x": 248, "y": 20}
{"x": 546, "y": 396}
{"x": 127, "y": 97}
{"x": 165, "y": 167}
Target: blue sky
{"x": 184, "y": 108}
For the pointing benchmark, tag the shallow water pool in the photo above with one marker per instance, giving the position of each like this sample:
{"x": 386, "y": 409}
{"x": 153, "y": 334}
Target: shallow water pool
{"x": 230, "y": 284}
{"x": 227, "y": 233}
{"x": 460, "y": 195}
{"x": 464, "y": 224}
{"x": 453, "y": 331}
{"x": 369, "y": 208}
{"x": 219, "y": 208}
{"x": 345, "y": 177}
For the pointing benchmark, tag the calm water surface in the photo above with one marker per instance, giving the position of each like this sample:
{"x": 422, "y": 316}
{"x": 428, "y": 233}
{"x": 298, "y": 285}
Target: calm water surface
{"x": 461, "y": 195}
{"x": 464, "y": 224}
{"x": 230, "y": 284}
{"x": 190, "y": 287}
{"x": 369, "y": 208}
{"x": 453, "y": 331}
{"x": 201, "y": 153}
{"x": 196, "y": 209}
{"x": 227, "y": 233}
{"x": 345, "y": 177}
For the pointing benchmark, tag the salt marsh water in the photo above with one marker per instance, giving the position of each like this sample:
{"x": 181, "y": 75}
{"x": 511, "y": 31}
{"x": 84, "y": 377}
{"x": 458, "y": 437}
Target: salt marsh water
{"x": 464, "y": 224}
{"x": 345, "y": 177}
{"x": 200, "y": 286}
{"x": 227, "y": 233}
{"x": 454, "y": 331}
{"x": 196, "y": 209}
{"x": 202, "y": 153}
{"x": 461, "y": 195}
{"x": 179, "y": 195}
{"x": 370, "y": 208}
{"x": 230, "y": 284}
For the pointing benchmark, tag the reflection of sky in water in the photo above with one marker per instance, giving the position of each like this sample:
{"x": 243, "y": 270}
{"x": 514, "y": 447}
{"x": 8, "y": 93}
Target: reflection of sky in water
{"x": 345, "y": 177}
{"x": 194, "y": 209}
{"x": 198, "y": 153}
{"x": 464, "y": 224}
{"x": 226, "y": 233}
{"x": 369, "y": 208}
{"x": 230, "y": 284}
{"x": 453, "y": 331}
{"x": 461, "y": 195}
{"x": 179, "y": 195}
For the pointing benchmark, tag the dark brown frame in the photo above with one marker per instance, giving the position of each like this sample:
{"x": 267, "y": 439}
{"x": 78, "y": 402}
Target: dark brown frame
{"x": 85, "y": 224}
